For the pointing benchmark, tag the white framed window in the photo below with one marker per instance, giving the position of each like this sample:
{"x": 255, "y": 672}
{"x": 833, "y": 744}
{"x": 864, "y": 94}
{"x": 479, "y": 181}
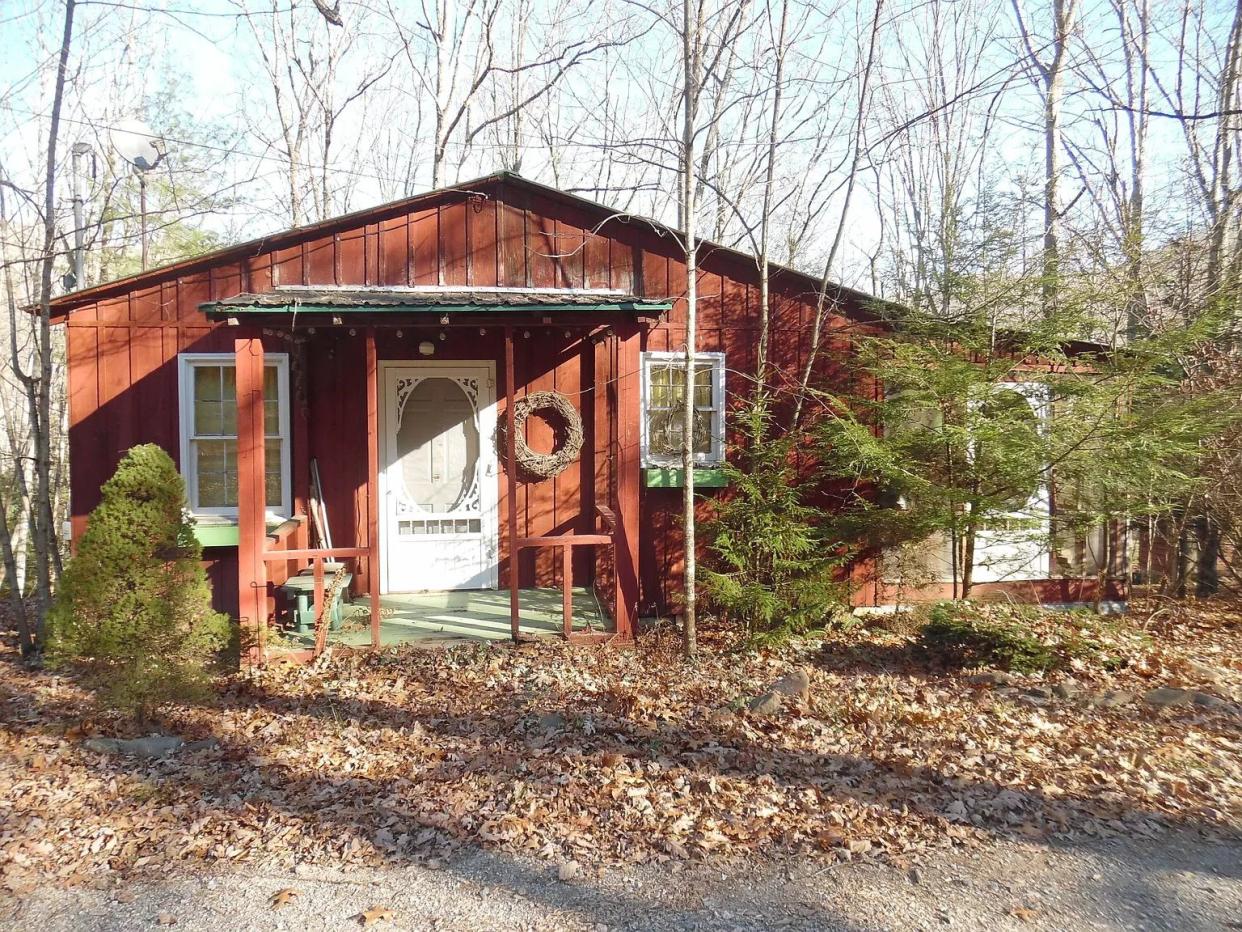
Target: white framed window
{"x": 663, "y": 408}
{"x": 208, "y": 405}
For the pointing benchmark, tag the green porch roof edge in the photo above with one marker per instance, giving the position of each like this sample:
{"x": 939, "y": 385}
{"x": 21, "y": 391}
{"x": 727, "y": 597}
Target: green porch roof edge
{"x": 242, "y": 310}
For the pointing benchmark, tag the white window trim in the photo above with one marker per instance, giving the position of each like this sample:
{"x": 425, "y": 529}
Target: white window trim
{"x": 715, "y": 457}
{"x": 185, "y": 381}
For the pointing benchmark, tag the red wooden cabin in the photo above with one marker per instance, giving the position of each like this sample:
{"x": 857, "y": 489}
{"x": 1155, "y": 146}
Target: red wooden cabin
{"x": 314, "y": 344}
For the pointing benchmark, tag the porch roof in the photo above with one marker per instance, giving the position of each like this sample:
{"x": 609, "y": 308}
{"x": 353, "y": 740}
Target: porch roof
{"x": 296, "y": 300}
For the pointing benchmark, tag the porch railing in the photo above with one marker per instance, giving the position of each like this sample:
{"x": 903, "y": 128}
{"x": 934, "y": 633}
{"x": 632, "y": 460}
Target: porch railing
{"x": 567, "y": 543}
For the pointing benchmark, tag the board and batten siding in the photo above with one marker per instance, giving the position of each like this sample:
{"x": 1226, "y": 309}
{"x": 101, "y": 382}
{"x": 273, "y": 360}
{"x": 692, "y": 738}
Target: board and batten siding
{"x": 123, "y": 346}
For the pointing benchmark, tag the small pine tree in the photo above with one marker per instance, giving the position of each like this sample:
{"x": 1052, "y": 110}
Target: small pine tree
{"x": 134, "y": 610}
{"x": 948, "y": 448}
{"x": 769, "y": 568}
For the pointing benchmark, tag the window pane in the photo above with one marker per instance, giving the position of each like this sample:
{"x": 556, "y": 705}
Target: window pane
{"x": 676, "y": 385}
{"x": 271, "y": 401}
{"x": 208, "y": 418}
{"x": 216, "y": 469}
{"x": 703, "y": 386}
{"x": 702, "y": 431}
{"x": 660, "y": 394}
{"x": 659, "y": 433}
{"x": 271, "y": 416}
{"x": 214, "y": 402}
{"x": 207, "y": 383}
{"x": 228, "y": 413}
{"x": 665, "y": 430}
{"x": 207, "y": 400}
{"x": 228, "y": 417}
{"x": 273, "y": 474}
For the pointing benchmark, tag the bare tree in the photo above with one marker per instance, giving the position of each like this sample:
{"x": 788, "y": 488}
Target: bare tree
{"x": 1048, "y": 62}
{"x": 779, "y": 53}
{"x": 317, "y": 72}
{"x": 691, "y": 78}
{"x": 35, "y": 371}
{"x": 943, "y": 205}
{"x": 453, "y": 53}
{"x": 858, "y": 155}
{"x": 1112, "y": 167}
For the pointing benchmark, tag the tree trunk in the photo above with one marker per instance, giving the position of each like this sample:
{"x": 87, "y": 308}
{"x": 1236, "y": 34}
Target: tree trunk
{"x": 1207, "y": 581}
{"x": 765, "y": 220}
{"x": 40, "y": 387}
{"x": 690, "y": 68}
{"x": 25, "y": 638}
{"x": 1052, "y": 149}
{"x": 968, "y": 558}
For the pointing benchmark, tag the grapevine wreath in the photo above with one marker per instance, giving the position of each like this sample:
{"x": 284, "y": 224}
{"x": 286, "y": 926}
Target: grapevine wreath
{"x": 566, "y": 423}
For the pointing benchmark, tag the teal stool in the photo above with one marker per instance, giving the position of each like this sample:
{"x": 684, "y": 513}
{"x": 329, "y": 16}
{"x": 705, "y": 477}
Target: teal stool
{"x": 329, "y": 570}
{"x": 299, "y": 594}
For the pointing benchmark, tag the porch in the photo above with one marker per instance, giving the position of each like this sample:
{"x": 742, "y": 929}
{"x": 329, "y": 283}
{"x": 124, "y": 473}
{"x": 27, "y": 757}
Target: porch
{"x": 425, "y": 492}
{"x": 481, "y": 615}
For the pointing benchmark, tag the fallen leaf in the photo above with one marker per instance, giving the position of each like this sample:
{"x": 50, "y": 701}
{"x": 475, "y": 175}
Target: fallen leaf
{"x": 166, "y": 919}
{"x": 282, "y": 897}
{"x": 1025, "y": 913}
{"x": 369, "y": 917}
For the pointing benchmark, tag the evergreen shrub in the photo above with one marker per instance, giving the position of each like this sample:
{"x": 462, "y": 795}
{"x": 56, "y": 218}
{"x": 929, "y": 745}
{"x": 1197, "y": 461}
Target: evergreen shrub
{"x": 769, "y": 567}
{"x": 133, "y": 610}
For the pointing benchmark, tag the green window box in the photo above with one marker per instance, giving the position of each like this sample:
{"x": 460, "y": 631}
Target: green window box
{"x": 664, "y": 477}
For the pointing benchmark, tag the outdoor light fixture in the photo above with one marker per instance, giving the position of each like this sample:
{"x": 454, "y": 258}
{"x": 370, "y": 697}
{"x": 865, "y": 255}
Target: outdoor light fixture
{"x": 426, "y": 348}
{"x": 443, "y": 335}
{"x": 400, "y": 334}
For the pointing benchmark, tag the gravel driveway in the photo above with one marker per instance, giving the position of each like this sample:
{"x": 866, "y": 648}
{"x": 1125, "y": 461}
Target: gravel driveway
{"x": 1180, "y": 881}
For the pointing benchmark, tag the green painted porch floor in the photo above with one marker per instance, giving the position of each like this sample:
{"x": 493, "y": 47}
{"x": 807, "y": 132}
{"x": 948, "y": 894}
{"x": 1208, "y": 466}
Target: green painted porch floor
{"x": 473, "y": 615}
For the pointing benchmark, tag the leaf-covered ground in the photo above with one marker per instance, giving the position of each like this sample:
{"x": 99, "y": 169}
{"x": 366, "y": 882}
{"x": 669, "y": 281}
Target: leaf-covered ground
{"x": 606, "y": 755}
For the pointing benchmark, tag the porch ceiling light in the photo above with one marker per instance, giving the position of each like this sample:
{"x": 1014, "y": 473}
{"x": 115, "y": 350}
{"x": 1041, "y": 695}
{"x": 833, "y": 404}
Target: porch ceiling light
{"x": 426, "y": 348}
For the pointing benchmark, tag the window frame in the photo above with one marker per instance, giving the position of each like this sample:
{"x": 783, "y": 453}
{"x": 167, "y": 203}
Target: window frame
{"x": 186, "y": 364}
{"x": 1038, "y": 395}
{"x": 716, "y": 455}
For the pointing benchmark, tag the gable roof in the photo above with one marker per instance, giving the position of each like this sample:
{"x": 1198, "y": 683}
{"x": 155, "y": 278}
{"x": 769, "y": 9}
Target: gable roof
{"x": 66, "y": 303}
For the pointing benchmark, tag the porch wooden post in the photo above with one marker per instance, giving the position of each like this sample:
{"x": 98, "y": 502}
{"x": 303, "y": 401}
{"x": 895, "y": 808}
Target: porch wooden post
{"x": 511, "y": 474}
{"x": 567, "y": 592}
{"x": 373, "y": 541}
{"x": 251, "y": 493}
{"x": 628, "y": 464}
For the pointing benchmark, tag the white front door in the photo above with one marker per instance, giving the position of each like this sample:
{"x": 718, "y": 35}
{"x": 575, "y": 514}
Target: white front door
{"x": 438, "y": 476}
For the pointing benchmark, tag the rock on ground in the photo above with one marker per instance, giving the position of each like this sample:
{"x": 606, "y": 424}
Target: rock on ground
{"x": 795, "y": 685}
{"x": 149, "y": 746}
{"x": 1175, "y": 882}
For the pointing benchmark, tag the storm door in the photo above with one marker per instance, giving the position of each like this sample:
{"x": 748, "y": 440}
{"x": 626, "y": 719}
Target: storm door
{"x": 438, "y": 464}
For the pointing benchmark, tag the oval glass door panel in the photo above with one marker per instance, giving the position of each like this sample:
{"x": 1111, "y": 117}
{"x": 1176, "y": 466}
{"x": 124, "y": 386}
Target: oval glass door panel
{"x": 437, "y": 445}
